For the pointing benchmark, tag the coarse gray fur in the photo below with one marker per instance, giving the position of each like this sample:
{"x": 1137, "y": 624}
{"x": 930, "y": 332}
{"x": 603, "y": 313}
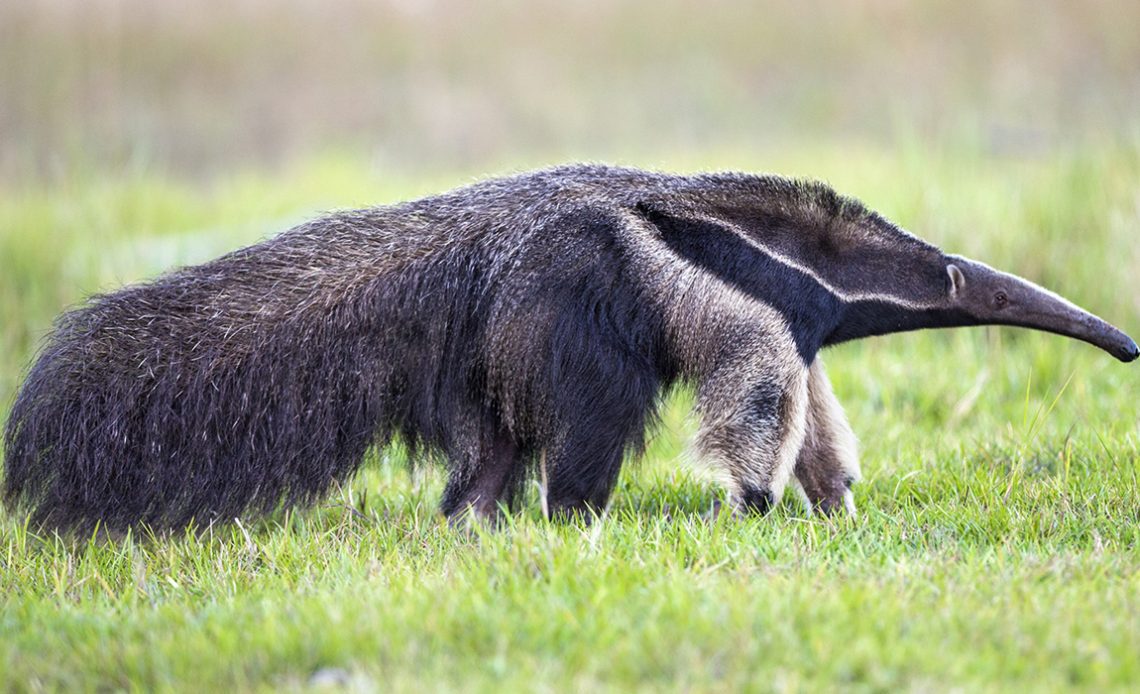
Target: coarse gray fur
{"x": 519, "y": 322}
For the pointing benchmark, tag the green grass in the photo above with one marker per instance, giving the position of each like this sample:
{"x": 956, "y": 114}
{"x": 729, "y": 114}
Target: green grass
{"x": 997, "y": 544}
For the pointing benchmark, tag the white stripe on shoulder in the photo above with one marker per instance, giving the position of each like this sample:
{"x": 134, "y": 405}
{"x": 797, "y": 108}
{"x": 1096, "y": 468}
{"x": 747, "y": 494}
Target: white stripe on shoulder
{"x": 844, "y": 295}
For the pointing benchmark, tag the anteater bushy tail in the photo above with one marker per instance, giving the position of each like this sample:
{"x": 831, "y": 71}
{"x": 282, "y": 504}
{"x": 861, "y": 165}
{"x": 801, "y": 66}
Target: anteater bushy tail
{"x": 215, "y": 391}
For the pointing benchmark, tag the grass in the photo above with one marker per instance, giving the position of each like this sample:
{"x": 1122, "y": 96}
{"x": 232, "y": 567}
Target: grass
{"x": 997, "y": 544}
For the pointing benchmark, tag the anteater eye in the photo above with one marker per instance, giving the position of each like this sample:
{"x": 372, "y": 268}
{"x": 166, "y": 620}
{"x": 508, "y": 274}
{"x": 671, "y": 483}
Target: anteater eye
{"x": 1000, "y": 300}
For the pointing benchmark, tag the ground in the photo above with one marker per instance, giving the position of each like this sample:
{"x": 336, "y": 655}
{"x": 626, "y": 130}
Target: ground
{"x": 997, "y": 544}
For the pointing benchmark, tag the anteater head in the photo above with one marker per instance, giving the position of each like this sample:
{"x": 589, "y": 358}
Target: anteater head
{"x": 887, "y": 280}
{"x": 990, "y": 297}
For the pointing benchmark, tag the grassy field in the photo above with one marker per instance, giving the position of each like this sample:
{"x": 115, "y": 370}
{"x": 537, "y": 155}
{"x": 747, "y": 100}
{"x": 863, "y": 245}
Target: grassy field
{"x": 997, "y": 545}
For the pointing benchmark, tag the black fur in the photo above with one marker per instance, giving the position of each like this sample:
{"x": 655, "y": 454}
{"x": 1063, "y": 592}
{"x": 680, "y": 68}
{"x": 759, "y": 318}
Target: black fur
{"x": 505, "y": 324}
{"x": 758, "y": 501}
{"x": 810, "y": 310}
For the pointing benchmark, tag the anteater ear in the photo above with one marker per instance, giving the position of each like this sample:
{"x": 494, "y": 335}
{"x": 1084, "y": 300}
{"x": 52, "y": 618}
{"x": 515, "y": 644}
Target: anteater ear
{"x": 957, "y": 279}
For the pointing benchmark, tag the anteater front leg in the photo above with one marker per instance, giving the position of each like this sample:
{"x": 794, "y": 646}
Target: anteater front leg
{"x": 828, "y": 463}
{"x": 753, "y": 416}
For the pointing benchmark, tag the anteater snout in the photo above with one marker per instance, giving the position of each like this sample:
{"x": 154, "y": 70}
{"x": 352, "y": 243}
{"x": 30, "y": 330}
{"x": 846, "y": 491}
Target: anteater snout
{"x": 1129, "y": 352}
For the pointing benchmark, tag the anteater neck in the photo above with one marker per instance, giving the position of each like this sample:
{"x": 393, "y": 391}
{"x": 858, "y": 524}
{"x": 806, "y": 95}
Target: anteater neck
{"x": 870, "y": 317}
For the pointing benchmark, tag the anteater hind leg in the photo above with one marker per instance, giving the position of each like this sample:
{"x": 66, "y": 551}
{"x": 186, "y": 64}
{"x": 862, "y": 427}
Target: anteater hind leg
{"x": 604, "y": 415}
{"x": 828, "y": 463}
{"x": 581, "y": 471}
{"x": 482, "y": 476}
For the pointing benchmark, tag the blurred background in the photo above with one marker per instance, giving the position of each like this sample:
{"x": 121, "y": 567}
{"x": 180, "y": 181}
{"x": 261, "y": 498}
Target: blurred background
{"x": 199, "y": 88}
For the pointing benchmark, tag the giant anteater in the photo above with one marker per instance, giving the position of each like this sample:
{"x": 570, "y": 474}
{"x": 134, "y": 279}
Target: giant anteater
{"x": 519, "y": 321}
